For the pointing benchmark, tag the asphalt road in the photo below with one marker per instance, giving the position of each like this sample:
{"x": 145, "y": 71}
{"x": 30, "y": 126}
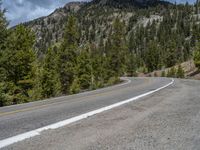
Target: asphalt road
{"x": 167, "y": 119}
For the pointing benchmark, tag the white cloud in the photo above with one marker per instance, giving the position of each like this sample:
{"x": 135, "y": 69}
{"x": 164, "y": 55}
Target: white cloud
{"x": 19, "y": 11}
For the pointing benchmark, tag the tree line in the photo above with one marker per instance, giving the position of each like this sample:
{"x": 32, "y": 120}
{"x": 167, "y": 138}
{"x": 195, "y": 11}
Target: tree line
{"x": 71, "y": 65}
{"x": 67, "y": 68}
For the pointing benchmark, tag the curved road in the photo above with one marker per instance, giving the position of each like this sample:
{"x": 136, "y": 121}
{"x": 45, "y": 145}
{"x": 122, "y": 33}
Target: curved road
{"x": 149, "y": 123}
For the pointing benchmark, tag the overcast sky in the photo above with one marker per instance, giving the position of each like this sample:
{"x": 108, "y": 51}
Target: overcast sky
{"x": 24, "y": 10}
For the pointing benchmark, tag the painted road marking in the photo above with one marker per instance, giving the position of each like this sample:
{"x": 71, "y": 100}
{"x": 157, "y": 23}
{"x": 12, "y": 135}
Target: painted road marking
{"x": 46, "y": 105}
{"x": 21, "y": 137}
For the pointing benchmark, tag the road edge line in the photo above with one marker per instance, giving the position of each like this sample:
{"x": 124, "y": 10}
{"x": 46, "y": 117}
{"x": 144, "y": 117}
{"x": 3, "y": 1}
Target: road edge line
{"x": 33, "y": 133}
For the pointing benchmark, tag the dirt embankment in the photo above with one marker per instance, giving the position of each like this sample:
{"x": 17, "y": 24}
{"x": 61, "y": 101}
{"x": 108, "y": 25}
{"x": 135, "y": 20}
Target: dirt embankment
{"x": 189, "y": 68}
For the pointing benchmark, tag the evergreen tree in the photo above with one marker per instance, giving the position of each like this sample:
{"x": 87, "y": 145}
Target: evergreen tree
{"x": 3, "y": 28}
{"x": 180, "y": 72}
{"x": 49, "y": 84}
{"x": 163, "y": 74}
{"x": 197, "y": 57}
{"x": 19, "y": 55}
{"x": 118, "y": 51}
{"x": 153, "y": 57}
{"x": 17, "y": 62}
{"x": 131, "y": 64}
{"x": 84, "y": 69}
{"x": 197, "y": 6}
{"x": 172, "y": 72}
{"x": 101, "y": 47}
{"x": 67, "y": 55}
{"x": 171, "y": 54}
{"x": 3, "y": 37}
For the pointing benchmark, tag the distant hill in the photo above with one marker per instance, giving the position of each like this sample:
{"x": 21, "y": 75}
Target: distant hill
{"x": 130, "y": 3}
{"x": 49, "y": 29}
{"x": 144, "y": 20}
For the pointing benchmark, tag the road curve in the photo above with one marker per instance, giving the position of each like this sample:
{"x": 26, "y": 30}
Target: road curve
{"x": 15, "y": 120}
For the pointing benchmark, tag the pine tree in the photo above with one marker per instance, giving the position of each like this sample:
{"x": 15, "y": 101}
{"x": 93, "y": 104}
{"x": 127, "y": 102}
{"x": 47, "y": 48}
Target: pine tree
{"x": 84, "y": 69}
{"x": 101, "y": 48}
{"x": 3, "y": 37}
{"x": 19, "y": 55}
{"x": 153, "y": 56}
{"x": 172, "y": 72}
{"x": 67, "y": 55}
{"x": 171, "y": 54}
{"x": 49, "y": 84}
{"x": 180, "y": 72}
{"x": 197, "y": 6}
{"x": 118, "y": 51}
{"x": 17, "y": 63}
{"x": 131, "y": 64}
{"x": 197, "y": 56}
{"x": 163, "y": 74}
{"x": 3, "y": 28}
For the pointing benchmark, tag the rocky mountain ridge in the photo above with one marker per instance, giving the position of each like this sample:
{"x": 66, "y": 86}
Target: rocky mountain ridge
{"x": 49, "y": 29}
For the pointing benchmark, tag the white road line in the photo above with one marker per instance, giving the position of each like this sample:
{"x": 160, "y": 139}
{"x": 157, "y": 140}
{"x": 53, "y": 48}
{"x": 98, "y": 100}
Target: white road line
{"x": 21, "y": 137}
{"x": 127, "y": 81}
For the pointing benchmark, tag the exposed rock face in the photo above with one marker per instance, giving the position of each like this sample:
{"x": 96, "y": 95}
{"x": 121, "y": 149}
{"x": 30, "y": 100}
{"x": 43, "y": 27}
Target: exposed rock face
{"x": 95, "y": 20}
{"x": 49, "y": 29}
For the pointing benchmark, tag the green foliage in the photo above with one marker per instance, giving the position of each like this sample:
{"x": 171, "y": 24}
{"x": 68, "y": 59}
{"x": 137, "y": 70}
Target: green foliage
{"x": 5, "y": 95}
{"x": 153, "y": 57}
{"x": 16, "y": 66}
{"x": 67, "y": 55}
{"x": 180, "y": 72}
{"x": 75, "y": 87}
{"x": 18, "y": 56}
{"x": 118, "y": 50}
{"x": 3, "y": 28}
{"x": 113, "y": 80}
{"x": 163, "y": 74}
{"x": 109, "y": 47}
{"x": 176, "y": 72}
{"x": 172, "y": 72}
{"x": 47, "y": 83}
{"x": 171, "y": 54}
{"x": 197, "y": 57}
{"x": 131, "y": 64}
{"x": 84, "y": 68}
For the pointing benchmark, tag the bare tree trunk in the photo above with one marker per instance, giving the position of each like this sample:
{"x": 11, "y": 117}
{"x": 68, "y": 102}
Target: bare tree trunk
{"x": 197, "y": 5}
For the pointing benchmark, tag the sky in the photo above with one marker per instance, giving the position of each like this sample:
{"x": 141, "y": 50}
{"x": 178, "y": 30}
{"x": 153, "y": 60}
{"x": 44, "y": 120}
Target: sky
{"x": 19, "y": 11}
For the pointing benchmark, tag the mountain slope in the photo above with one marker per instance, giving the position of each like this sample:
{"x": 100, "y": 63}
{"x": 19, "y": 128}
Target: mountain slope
{"x": 156, "y": 28}
{"x": 129, "y": 3}
{"x": 49, "y": 30}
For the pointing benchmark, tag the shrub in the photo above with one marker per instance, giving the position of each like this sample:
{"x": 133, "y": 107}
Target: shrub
{"x": 180, "y": 72}
{"x": 75, "y": 87}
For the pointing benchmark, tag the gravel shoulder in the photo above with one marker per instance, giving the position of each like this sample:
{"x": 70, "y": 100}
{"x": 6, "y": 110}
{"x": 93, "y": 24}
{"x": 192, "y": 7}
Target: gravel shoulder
{"x": 166, "y": 120}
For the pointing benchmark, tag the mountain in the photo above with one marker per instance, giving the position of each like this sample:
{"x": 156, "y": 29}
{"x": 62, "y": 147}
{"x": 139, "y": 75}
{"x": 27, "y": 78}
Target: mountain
{"x": 129, "y": 3}
{"x": 90, "y": 45}
{"x": 49, "y": 29}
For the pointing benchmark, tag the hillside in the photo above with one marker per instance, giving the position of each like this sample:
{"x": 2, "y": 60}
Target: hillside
{"x": 96, "y": 18}
{"x": 49, "y": 29}
{"x": 85, "y": 46}
{"x": 129, "y": 3}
